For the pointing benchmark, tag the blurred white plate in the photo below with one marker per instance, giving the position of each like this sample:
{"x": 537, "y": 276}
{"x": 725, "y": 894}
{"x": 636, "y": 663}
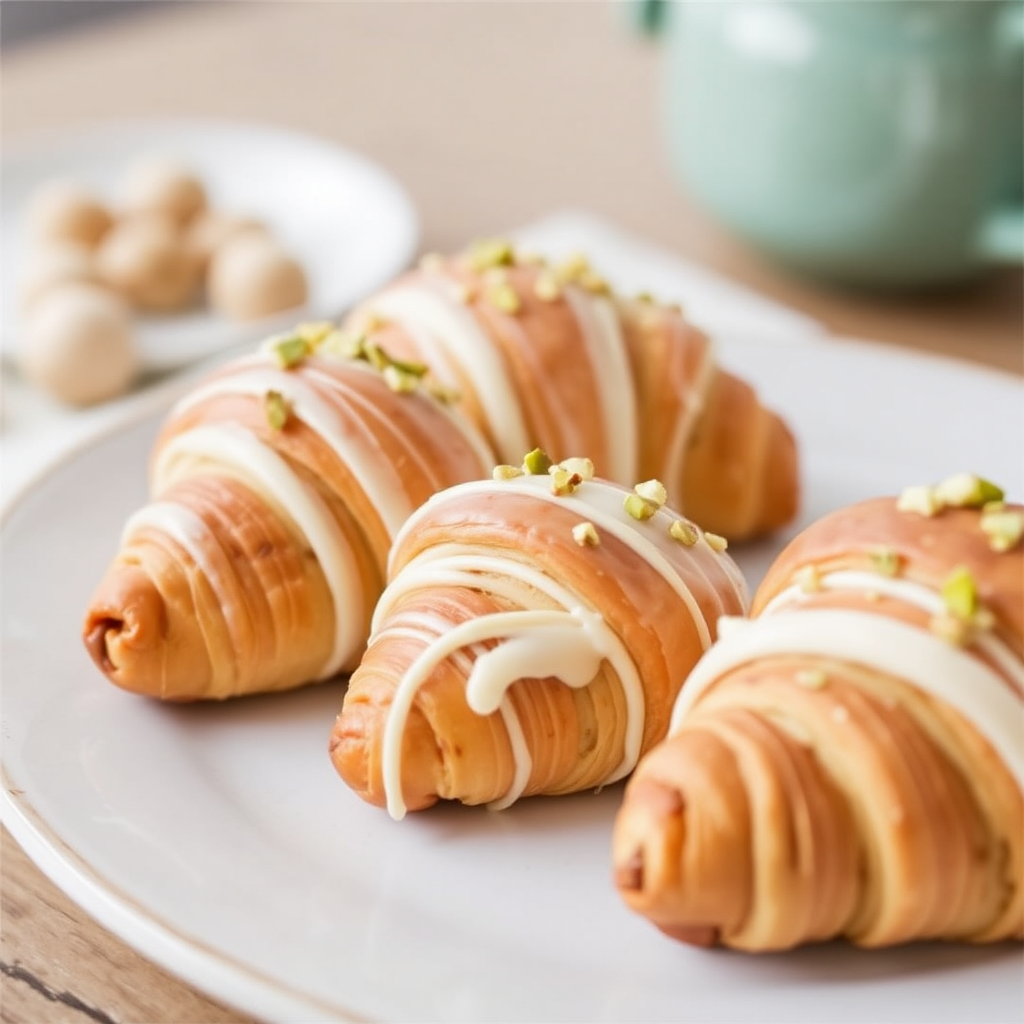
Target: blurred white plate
{"x": 218, "y": 841}
{"x": 348, "y": 222}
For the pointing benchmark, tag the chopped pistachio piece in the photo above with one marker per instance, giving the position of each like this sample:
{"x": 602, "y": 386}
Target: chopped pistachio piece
{"x": 290, "y": 351}
{"x": 343, "y": 343}
{"x": 953, "y": 630}
{"x": 715, "y": 542}
{"x": 652, "y": 491}
{"x": 547, "y": 288}
{"x": 432, "y": 262}
{"x": 375, "y": 355}
{"x": 1004, "y": 529}
{"x": 584, "y": 467}
{"x": 966, "y": 490}
{"x": 984, "y": 619}
{"x": 645, "y": 297}
{"x": 314, "y": 333}
{"x": 399, "y": 380}
{"x": 993, "y": 506}
{"x": 639, "y": 507}
{"x": 563, "y": 482}
{"x": 413, "y": 369}
{"x": 885, "y": 561}
{"x": 492, "y": 252}
{"x": 808, "y": 579}
{"x": 922, "y": 500}
{"x": 960, "y": 593}
{"x": 686, "y": 533}
{"x": 812, "y": 678}
{"x": 573, "y": 268}
{"x": 536, "y": 462}
{"x": 585, "y": 534}
{"x": 277, "y": 409}
{"x": 442, "y": 392}
{"x": 506, "y": 472}
{"x": 594, "y": 283}
{"x": 505, "y": 298}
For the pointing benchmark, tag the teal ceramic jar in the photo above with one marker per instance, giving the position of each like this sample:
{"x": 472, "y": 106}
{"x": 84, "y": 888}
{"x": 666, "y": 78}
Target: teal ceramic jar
{"x": 873, "y": 143}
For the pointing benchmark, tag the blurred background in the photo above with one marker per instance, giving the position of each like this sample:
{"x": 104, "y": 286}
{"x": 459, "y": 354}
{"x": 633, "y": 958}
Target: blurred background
{"x": 494, "y": 114}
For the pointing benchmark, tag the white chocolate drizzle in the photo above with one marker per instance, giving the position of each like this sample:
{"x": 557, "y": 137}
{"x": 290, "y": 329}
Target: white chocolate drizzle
{"x": 229, "y": 444}
{"x": 537, "y": 644}
{"x": 907, "y": 652}
{"x": 347, "y": 437}
{"x": 910, "y": 592}
{"x": 602, "y": 333}
{"x": 419, "y": 306}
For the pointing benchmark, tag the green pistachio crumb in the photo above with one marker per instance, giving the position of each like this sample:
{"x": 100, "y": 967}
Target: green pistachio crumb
{"x": 812, "y": 678}
{"x": 492, "y": 252}
{"x": 585, "y": 534}
{"x": 885, "y": 561}
{"x": 808, "y": 579}
{"x": 639, "y": 507}
{"x": 584, "y": 467}
{"x": 506, "y": 472}
{"x": 685, "y": 532}
{"x": 1004, "y": 529}
{"x": 277, "y": 409}
{"x": 505, "y": 298}
{"x": 652, "y": 491}
{"x": 715, "y": 542}
{"x": 960, "y": 593}
{"x": 536, "y": 462}
{"x": 922, "y": 500}
{"x": 967, "y": 490}
{"x": 289, "y": 351}
{"x": 547, "y": 288}
{"x": 563, "y": 482}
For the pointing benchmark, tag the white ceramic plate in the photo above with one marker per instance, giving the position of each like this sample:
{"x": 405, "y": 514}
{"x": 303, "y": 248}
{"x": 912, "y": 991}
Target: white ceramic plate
{"x": 347, "y": 221}
{"x": 218, "y": 841}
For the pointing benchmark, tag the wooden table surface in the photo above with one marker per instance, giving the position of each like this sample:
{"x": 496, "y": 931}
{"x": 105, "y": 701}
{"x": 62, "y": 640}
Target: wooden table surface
{"x": 491, "y": 115}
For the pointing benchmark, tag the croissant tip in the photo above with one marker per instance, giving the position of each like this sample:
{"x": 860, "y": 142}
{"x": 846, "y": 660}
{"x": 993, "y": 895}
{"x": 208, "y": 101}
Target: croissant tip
{"x": 629, "y": 875}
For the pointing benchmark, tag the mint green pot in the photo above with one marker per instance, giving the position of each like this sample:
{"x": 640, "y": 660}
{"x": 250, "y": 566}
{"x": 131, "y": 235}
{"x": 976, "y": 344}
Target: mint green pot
{"x": 871, "y": 142}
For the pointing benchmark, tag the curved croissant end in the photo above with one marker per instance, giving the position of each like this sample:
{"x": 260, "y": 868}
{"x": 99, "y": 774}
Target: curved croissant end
{"x": 849, "y": 762}
{"x": 276, "y": 492}
{"x": 528, "y": 642}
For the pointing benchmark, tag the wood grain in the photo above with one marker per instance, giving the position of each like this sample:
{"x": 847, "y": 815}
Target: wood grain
{"x": 491, "y": 115}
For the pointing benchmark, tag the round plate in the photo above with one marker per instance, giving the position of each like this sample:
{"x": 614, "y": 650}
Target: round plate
{"x": 348, "y": 222}
{"x": 218, "y": 841}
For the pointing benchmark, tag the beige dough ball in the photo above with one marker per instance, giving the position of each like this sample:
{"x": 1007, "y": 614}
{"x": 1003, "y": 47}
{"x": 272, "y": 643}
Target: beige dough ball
{"x": 160, "y": 186}
{"x": 78, "y": 345}
{"x": 144, "y": 258}
{"x": 251, "y": 277}
{"x": 55, "y": 264}
{"x": 62, "y": 211}
{"x": 211, "y": 229}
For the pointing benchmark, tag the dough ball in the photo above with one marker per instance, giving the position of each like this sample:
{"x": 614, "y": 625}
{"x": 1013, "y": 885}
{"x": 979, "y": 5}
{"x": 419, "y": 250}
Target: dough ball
{"x": 211, "y": 229}
{"x": 62, "y": 211}
{"x": 55, "y": 264}
{"x": 160, "y": 186}
{"x": 78, "y": 344}
{"x": 144, "y": 258}
{"x": 251, "y": 277}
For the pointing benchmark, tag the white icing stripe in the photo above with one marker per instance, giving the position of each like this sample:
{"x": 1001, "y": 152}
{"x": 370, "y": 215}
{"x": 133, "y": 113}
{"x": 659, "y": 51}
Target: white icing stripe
{"x": 893, "y": 647}
{"x": 913, "y": 593}
{"x": 458, "y": 566}
{"x": 685, "y": 424}
{"x": 602, "y": 333}
{"x": 232, "y": 445}
{"x": 189, "y": 531}
{"x": 417, "y": 304}
{"x": 375, "y": 476}
{"x": 596, "y": 501}
{"x": 544, "y": 643}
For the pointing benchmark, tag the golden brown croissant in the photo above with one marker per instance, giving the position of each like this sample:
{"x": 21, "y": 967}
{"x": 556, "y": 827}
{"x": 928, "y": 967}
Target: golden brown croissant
{"x": 533, "y": 636}
{"x": 259, "y": 561}
{"x": 276, "y": 491}
{"x": 850, "y": 761}
{"x": 549, "y": 357}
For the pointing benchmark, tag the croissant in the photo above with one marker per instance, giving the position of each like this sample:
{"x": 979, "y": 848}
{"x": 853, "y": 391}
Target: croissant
{"x": 278, "y": 486}
{"x": 548, "y": 356}
{"x": 850, "y": 761}
{"x": 532, "y": 638}
{"x": 276, "y": 491}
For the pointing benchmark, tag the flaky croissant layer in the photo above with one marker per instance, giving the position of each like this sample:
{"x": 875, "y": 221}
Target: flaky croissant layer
{"x": 851, "y": 761}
